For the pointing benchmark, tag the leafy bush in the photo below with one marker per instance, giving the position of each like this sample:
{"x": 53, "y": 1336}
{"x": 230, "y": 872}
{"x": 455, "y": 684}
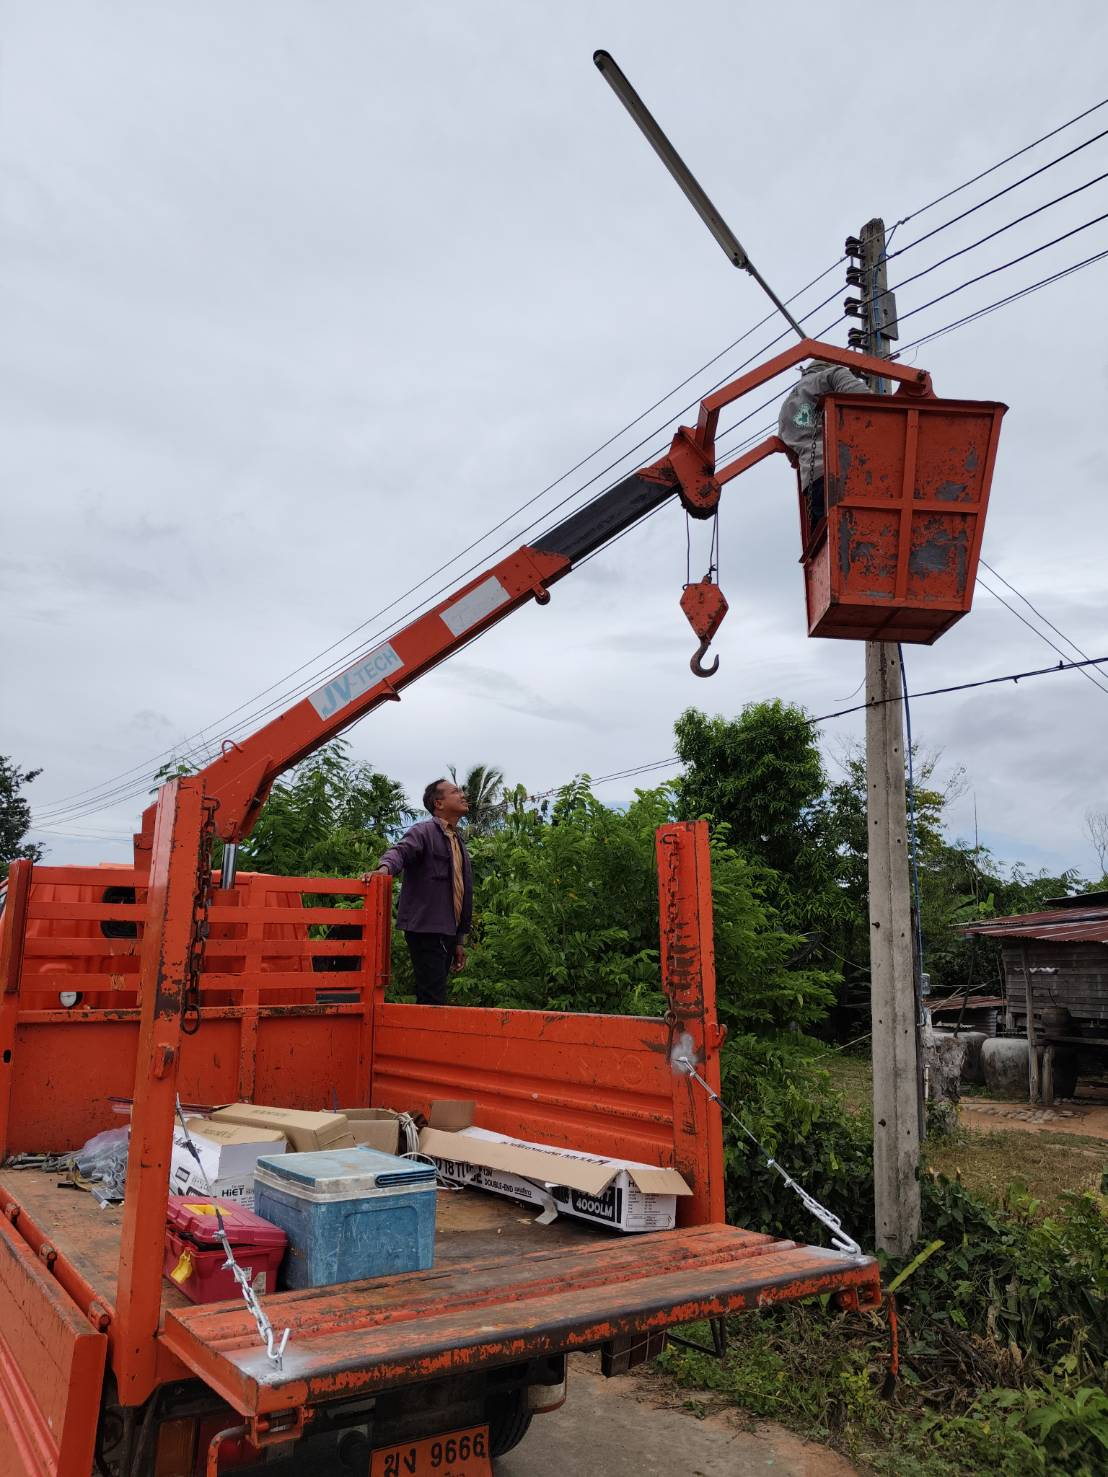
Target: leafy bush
{"x": 566, "y": 918}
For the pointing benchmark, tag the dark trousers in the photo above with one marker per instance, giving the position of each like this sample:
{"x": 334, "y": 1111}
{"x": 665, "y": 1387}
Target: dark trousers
{"x": 432, "y": 955}
{"x": 817, "y": 506}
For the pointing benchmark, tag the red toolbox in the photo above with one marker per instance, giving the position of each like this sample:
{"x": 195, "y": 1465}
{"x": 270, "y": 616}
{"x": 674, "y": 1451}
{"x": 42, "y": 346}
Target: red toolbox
{"x": 194, "y": 1255}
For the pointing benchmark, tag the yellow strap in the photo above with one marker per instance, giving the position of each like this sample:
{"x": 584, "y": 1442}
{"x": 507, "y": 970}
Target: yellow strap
{"x": 183, "y": 1270}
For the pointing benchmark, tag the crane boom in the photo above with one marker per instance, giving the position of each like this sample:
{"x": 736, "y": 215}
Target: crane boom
{"x": 240, "y": 779}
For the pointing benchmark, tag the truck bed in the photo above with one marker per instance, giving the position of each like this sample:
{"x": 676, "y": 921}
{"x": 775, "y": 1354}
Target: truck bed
{"x": 503, "y": 1289}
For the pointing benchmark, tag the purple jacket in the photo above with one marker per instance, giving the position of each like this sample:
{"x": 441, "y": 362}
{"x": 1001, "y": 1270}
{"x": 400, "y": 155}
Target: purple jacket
{"x": 427, "y": 894}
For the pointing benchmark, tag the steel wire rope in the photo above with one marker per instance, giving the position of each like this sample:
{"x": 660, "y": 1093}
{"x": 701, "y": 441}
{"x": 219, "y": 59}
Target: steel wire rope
{"x": 103, "y": 791}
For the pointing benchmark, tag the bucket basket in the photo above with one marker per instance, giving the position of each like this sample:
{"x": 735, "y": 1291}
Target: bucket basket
{"x": 906, "y": 480}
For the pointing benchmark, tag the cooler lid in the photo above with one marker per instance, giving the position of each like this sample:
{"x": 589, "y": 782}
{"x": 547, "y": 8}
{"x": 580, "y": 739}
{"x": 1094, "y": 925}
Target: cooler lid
{"x": 194, "y": 1216}
{"x": 341, "y": 1172}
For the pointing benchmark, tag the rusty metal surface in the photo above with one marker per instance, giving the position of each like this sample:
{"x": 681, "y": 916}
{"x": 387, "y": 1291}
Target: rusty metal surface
{"x": 51, "y": 1370}
{"x": 600, "y": 1082}
{"x": 688, "y": 965}
{"x": 371, "y": 1335}
{"x": 907, "y": 485}
{"x": 1088, "y": 926}
{"x": 174, "y": 910}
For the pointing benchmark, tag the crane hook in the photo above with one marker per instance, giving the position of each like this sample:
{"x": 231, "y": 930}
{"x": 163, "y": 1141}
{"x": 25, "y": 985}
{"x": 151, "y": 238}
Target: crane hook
{"x": 705, "y": 607}
{"x": 696, "y": 661}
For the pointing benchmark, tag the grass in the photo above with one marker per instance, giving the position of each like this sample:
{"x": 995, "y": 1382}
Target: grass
{"x": 820, "y": 1373}
{"x": 1044, "y": 1164}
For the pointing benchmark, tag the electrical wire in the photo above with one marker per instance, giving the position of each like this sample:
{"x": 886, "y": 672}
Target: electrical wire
{"x": 103, "y": 793}
{"x": 954, "y": 220}
{"x": 1026, "y": 149}
{"x": 1034, "y": 608}
{"x": 1014, "y": 677}
{"x": 1041, "y": 634}
{"x": 1038, "y": 613}
{"x": 188, "y": 747}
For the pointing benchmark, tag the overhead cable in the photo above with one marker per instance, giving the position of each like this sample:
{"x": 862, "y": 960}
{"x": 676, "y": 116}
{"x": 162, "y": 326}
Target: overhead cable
{"x": 1014, "y": 677}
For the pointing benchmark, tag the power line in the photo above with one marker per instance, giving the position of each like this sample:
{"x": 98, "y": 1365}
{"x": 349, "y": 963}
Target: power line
{"x": 189, "y": 746}
{"x": 99, "y": 795}
{"x": 1018, "y": 221}
{"x": 1034, "y": 608}
{"x": 103, "y": 793}
{"x": 1001, "y": 163}
{"x": 1015, "y": 677}
{"x": 1041, "y": 634}
{"x": 990, "y": 199}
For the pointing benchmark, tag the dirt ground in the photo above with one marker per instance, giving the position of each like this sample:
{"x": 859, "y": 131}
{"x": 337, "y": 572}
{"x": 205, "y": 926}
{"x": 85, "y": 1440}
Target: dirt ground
{"x": 1087, "y": 1119}
{"x": 620, "y": 1428}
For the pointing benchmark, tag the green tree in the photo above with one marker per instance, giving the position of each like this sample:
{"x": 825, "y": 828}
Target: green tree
{"x": 331, "y": 816}
{"x": 15, "y": 815}
{"x": 487, "y": 796}
{"x": 761, "y": 776}
{"x": 566, "y": 918}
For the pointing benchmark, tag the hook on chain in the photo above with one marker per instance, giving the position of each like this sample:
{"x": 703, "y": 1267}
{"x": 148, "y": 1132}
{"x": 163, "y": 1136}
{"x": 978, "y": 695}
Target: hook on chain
{"x": 696, "y": 661}
{"x": 705, "y": 607}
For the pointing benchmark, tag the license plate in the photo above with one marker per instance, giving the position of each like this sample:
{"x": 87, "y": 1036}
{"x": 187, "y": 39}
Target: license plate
{"x": 455, "y": 1454}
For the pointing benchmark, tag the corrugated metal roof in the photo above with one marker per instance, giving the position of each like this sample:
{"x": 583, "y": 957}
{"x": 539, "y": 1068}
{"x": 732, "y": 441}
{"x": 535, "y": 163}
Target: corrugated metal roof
{"x": 1087, "y": 925}
{"x": 975, "y": 1002}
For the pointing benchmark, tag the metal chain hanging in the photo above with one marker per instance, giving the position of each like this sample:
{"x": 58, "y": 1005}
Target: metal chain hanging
{"x": 190, "y": 995}
{"x": 274, "y": 1350}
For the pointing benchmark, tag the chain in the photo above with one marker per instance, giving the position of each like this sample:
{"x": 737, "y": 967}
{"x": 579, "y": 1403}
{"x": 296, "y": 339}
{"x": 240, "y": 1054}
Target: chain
{"x": 275, "y": 1350}
{"x": 839, "y": 1239}
{"x": 190, "y": 995}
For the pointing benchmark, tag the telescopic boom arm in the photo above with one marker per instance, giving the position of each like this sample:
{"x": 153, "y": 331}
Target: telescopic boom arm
{"x": 241, "y": 778}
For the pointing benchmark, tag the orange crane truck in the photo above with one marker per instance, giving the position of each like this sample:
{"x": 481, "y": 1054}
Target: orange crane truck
{"x": 142, "y": 985}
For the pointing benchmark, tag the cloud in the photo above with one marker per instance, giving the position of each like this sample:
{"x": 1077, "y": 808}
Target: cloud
{"x": 280, "y": 343}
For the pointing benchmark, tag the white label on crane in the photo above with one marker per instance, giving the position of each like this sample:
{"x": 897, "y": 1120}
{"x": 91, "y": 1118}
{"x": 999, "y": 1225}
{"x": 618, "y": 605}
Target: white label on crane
{"x": 366, "y": 672}
{"x": 488, "y": 596}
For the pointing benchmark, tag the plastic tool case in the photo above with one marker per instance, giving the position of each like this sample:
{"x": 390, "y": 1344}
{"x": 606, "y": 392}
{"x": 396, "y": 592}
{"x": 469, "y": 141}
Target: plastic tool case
{"x": 194, "y": 1255}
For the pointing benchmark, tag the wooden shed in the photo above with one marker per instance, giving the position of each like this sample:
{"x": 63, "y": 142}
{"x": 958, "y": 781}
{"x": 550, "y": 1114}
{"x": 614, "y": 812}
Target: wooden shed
{"x": 1061, "y": 955}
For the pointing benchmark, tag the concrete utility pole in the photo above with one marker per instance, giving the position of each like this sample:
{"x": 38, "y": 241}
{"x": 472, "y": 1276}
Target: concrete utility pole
{"x": 893, "y": 999}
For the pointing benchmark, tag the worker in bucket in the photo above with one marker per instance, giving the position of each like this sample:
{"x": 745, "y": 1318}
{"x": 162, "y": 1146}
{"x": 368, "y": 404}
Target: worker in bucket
{"x": 800, "y": 426}
{"x": 436, "y": 898}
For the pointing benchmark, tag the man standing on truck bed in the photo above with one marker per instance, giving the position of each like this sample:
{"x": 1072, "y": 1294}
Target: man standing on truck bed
{"x": 436, "y": 899}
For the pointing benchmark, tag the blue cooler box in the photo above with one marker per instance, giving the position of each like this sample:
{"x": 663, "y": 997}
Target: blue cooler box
{"x": 348, "y": 1213}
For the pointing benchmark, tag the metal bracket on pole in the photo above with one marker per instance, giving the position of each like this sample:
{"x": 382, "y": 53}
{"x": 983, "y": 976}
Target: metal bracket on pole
{"x": 686, "y": 180}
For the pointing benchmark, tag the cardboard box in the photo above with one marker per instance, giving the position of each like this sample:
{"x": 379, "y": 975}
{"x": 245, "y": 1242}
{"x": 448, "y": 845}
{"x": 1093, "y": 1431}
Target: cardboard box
{"x": 305, "y": 1131}
{"x": 375, "y": 1128}
{"x": 620, "y": 1193}
{"x": 228, "y": 1153}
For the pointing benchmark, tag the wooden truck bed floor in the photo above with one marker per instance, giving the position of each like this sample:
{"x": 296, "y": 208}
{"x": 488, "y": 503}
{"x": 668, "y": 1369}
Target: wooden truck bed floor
{"x": 503, "y": 1289}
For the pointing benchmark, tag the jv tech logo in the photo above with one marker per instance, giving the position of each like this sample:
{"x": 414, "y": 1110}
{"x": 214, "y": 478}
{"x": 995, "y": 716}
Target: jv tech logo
{"x": 364, "y": 674}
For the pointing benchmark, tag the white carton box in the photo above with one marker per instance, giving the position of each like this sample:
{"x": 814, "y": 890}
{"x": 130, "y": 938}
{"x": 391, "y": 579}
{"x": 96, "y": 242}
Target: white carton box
{"x": 228, "y": 1153}
{"x": 620, "y": 1193}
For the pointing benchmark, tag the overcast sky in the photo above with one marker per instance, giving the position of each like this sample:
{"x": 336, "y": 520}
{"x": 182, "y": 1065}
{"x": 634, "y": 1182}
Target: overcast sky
{"x": 300, "y": 299}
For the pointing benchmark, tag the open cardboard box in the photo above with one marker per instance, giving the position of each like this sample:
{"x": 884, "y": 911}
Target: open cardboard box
{"x": 612, "y": 1192}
